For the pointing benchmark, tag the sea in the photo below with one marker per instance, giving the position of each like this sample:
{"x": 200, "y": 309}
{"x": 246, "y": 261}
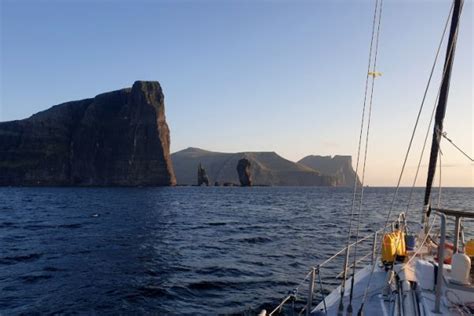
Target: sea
{"x": 183, "y": 250}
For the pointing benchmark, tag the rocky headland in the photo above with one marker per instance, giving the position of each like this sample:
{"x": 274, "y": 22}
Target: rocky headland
{"x": 338, "y": 166}
{"x": 265, "y": 168}
{"x": 119, "y": 138}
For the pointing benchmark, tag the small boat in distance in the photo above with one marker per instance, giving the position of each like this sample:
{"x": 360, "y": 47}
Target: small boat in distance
{"x": 412, "y": 269}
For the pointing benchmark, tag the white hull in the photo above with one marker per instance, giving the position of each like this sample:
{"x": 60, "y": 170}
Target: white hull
{"x": 400, "y": 293}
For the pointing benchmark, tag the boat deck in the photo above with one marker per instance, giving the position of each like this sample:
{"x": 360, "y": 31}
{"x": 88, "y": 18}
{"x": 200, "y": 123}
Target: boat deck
{"x": 374, "y": 303}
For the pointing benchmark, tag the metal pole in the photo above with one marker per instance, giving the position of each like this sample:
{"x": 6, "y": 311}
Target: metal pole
{"x": 439, "y": 277}
{"x": 340, "y": 310}
{"x": 374, "y": 246}
{"x": 441, "y": 106}
{"x": 311, "y": 290}
{"x": 322, "y": 291}
{"x": 456, "y": 234}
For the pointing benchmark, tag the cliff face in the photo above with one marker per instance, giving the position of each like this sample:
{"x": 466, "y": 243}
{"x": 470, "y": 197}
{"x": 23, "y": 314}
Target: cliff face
{"x": 266, "y": 168}
{"x": 339, "y": 167}
{"x": 119, "y": 138}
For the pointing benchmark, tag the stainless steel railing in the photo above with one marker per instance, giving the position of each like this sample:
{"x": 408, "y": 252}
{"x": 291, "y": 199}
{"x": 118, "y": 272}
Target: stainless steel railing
{"x": 315, "y": 271}
{"x": 458, "y": 215}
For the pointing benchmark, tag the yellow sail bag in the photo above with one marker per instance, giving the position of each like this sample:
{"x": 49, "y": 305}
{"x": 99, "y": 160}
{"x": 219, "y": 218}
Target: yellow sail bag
{"x": 393, "y": 245}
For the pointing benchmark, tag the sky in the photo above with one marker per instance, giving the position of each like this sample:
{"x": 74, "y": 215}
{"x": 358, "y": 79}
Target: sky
{"x": 283, "y": 76}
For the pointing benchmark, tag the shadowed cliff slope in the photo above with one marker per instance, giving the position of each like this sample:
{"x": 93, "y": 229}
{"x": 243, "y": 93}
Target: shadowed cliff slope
{"x": 117, "y": 138}
{"x": 267, "y": 168}
{"x": 337, "y": 166}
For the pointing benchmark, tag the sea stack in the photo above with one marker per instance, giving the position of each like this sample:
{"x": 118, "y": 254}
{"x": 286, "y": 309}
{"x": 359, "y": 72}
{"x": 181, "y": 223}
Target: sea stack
{"x": 243, "y": 170}
{"x": 202, "y": 176}
{"x": 119, "y": 138}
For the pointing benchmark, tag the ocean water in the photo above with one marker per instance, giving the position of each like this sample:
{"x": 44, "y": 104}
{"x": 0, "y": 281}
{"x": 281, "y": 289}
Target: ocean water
{"x": 182, "y": 250}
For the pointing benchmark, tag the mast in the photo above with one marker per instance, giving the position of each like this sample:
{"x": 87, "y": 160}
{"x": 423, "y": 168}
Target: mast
{"x": 441, "y": 107}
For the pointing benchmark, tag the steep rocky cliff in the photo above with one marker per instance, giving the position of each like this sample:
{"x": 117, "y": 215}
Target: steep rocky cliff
{"x": 339, "y": 167}
{"x": 119, "y": 138}
{"x": 266, "y": 168}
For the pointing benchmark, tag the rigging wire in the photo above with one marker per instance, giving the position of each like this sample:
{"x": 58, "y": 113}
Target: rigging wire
{"x": 441, "y": 110}
{"x": 349, "y": 309}
{"x": 445, "y": 135}
{"x": 346, "y": 259}
{"x": 434, "y": 108}
{"x": 416, "y": 122}
{"x": 422, "y": 153}
{"x": 431, "y": 119}
{"x": 403, "y": 167}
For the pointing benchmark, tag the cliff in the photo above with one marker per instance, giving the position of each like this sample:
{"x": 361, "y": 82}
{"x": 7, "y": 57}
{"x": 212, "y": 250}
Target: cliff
{"x": 119, "y": 138}
{"x": 266, "y": 168}
{"x": 339, "y": 167}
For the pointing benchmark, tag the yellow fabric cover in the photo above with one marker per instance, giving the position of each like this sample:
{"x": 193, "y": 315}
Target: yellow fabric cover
{"x": 469, "y": 248}
{"x": 393, "y": 245}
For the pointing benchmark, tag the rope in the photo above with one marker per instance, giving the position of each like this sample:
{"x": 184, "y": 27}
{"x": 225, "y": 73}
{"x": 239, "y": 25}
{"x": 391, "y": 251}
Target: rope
{"x": 365, "y": 154}
{"x": 422, "y": 244}
{"x": 458, "y": 306}
{"x": 349, "y": 233}
{"x": 452, "y": 143}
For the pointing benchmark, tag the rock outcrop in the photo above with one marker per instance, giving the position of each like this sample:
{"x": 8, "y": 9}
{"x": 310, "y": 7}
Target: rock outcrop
{"x": 267, "y": 169}
{"x": 340, "y": 167}
{"x": 243, "y": 170}
{"x": 119, "y": 138}
{"x": 202, "y": 176}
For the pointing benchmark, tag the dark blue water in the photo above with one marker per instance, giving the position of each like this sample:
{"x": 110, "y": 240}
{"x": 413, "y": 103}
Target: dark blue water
{"x": 183, "y": 250}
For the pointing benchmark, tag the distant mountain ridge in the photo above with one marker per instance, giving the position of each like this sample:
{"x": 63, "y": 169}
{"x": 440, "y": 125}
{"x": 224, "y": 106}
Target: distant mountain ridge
{"x": 267, "y": 168}
{"x": 338, "y": 166}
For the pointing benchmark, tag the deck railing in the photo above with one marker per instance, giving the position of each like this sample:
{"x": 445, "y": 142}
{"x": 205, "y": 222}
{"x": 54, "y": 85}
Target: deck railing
{"x": 314, "y": 275}
{"x": 458, "y": 215}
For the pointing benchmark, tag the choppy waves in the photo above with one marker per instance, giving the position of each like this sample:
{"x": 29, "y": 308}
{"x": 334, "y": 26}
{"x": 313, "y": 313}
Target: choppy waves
{"x": 183, "y": 250}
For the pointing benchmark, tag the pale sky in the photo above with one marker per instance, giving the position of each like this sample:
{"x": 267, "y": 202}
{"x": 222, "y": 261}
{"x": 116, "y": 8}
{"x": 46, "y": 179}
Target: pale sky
{"x": 238, "y": 75}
